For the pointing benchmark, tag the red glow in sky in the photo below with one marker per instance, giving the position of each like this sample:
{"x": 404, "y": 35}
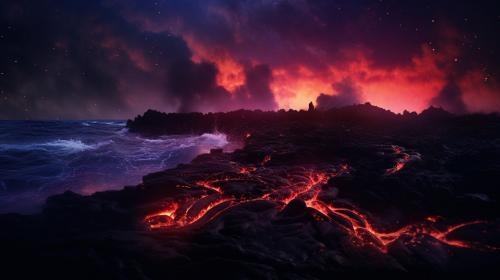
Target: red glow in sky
{"x": 116, "y": 59}
{"x": 409, "y": 87}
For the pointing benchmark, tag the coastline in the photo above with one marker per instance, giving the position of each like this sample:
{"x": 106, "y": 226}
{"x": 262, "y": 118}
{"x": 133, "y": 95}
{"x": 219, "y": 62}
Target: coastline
{"x": 253, "y": 207}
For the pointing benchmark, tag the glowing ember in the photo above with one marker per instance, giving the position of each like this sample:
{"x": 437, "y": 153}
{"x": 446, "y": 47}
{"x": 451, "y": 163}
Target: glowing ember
{"x": 247, "y": 170}
{"x": 266, "y": 159}
{"x": 305, "y": 185}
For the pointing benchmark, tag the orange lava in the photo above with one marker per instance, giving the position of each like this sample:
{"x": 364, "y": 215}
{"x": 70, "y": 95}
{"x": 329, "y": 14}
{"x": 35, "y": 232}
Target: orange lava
{"x": 266, "y": 159}
{"x": 401, "y": 162}
{"x": 307, "y": 186}
{"x": 247, "y": 170}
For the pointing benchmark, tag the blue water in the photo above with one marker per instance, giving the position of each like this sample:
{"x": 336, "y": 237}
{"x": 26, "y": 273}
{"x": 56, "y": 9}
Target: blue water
{"x": 42, "y": 158}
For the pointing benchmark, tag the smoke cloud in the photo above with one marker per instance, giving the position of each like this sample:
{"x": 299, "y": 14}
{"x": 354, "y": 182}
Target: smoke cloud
{"x": 450, "y": 99}
{"x": 347, "y": 93}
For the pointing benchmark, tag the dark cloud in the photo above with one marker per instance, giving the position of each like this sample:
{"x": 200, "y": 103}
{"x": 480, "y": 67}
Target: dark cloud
{"x": 256, "y": 92}
{"x": 450, "y": 99}
{"x": 319, "y": 32}
{"x": 347, "y": 93}
{"x": 77, "y": 59}
{"x": 116, "y": 58}
{"x": 190, "y": 82}
{"x": 84, "y": 59}
{"x": 194, "y": 84}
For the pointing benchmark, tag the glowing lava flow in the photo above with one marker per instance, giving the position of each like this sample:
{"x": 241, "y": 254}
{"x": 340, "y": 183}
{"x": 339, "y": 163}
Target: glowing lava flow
{"x": 362, "y": 230}
{"x": 403, "y": 159}
{"x": 305, "y": 186}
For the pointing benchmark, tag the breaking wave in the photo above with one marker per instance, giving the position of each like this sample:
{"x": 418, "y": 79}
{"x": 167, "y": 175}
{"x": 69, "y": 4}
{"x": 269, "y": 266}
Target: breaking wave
{"x": 39, "y": 159}
{"x": 70, "y": 145}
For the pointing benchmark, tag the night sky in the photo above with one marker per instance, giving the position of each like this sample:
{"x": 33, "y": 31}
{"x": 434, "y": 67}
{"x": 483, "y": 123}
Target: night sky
{"x": 89, "y": 59}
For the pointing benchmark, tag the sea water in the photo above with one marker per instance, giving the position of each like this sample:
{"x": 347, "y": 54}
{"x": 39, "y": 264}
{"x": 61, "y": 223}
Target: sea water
{"x": 43, "y": 158}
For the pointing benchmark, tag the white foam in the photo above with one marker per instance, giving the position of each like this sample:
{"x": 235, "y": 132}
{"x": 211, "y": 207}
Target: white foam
{"x": 156, "y": 140}
{"x": 74, "y": 145}
{"x": 215, "y": 139}
{"x": 117, "y": 123}
{"x": 70, "y": 145}
{"x": 122, "y": 132}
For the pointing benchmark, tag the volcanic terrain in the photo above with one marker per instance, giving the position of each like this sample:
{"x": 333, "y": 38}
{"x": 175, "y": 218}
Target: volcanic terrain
{"x": 309, "y": 194}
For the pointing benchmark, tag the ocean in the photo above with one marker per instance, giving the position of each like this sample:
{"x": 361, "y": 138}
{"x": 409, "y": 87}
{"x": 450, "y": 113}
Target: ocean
{"x": 43, "y": 158}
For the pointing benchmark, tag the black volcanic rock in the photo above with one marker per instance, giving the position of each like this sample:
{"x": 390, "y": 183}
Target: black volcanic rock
{"x": 311, "y": 107}
{"x": 296, "y": 207}
{"x": 259, "y": 212}
{"x": 433, "y": 113}
{"x": 241, "y": 122}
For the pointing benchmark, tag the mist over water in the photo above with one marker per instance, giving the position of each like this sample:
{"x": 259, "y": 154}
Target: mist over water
{"x": 42, "y": 158}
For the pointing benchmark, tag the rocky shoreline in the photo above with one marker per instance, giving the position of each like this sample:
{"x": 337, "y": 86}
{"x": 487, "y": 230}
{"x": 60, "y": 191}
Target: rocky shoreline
{"x": 309, "y": 195}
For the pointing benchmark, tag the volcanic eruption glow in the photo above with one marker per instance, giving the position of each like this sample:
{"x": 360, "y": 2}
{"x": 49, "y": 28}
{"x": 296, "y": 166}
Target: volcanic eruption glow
{"x": 305, "y": 185}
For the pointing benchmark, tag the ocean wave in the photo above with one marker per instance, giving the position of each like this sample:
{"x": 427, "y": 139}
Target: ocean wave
{"x": 63, "y": 155}
{"x": 116, "y": 123}
{"x": 122, "y": 132}
{"x": 76, "y": 145}
{"x": 216, "y": 139}
{"x": 155, "y": 140}
{"x": 70, "y": 145}
{"x": 111, "y": 123}
{"x": 203, "y": 142}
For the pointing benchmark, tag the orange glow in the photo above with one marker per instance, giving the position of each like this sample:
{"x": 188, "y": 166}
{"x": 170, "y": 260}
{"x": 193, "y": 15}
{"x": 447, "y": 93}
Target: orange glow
{"x": 409, "y": 87}
{"x": 247, "y": 170}
{"x": 404, "y": 157}
{"x": 231, "y": 73}
{"x": 266, "y": 159}
{"x": 209, "y": 185}
{"x": 305, "y": 185}
{"x": 294, "y": 90}
{"x": 433, "y": 218}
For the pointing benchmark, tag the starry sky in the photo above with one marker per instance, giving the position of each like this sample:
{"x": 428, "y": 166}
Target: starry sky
{"x": 114, "y": 59}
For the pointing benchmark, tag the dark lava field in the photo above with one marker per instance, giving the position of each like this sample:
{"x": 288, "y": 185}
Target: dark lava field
{"x": 309, "y": 195}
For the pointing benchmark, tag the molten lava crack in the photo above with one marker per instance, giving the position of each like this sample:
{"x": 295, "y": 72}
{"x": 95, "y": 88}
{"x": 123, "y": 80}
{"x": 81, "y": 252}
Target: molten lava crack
{"x": 403, "y": 158}
{"x": 305, "y": 185}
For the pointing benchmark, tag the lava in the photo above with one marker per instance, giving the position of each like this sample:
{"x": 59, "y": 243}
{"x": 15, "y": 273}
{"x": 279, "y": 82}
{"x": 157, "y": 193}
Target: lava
{"x": 362, "y": 230}
{"x": 403, "y": 158}
{"x": 307, "y": 186}
{"x": 209, "y": 185}
{"x": 247, "y": 170}
{"x": 266, "y": 159}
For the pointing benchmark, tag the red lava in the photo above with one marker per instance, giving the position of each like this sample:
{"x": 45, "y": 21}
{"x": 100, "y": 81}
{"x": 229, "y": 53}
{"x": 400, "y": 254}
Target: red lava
{"x": 400, "y": 162}
{"x": 307, "y": 187}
